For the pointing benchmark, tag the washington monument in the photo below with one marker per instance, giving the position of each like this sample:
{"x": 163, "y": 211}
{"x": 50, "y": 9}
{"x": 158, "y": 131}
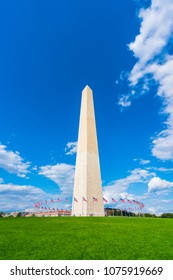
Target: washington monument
{"x": 87, "y": 194}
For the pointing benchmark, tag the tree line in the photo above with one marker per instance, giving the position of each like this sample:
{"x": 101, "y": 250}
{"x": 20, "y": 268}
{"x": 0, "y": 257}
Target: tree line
{"x": 112, "y": 212}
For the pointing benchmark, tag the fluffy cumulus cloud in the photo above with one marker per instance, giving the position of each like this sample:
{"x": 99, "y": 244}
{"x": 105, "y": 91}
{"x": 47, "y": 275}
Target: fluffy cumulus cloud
{"x": 163, "y": 145}
{"x": 163, "y": 74}
{"x": 155, "y": 31}
{"x": 119, "y": 187}
{"x": 71, "y": 148}
{"x": 152, "y": 49}
{"x": 156, "y": 184}
{"x": 14, "y": 198}
{"x": 12, "y": 162}
{"x": 62, "y": 174}
{"x": 18, "y": 198}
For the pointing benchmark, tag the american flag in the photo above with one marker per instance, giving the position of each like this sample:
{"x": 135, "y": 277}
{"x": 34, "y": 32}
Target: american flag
{"x": 95, "y": 199}
{"x": 129, "y": 201}
{"x": 59, "y": 200}
{"x": 52, "y": 200}
{"x": 114, "y": 200}
{"x": 104, "y": 199}
{"x": 37, "y": 205}
{"x": 84, "y": 199}
{"x": 134, "y": 201}
{"x": 66, "y": 200}
{"x": 122, "y": 200}
{"x": 75, "y": 199}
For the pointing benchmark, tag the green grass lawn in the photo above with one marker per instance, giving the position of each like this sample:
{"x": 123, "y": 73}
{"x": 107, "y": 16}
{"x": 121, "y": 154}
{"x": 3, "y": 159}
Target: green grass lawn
{"x": 86, "y": 238}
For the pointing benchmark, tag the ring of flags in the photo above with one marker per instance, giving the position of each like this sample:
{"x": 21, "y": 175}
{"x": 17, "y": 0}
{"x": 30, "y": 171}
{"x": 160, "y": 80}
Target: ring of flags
{"x": 123, "y": 200}
{"x": 46, "y": 204}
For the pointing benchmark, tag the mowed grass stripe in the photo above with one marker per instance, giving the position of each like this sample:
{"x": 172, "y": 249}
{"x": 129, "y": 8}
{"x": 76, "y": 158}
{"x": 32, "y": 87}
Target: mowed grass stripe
{"x": 86, "y": 238}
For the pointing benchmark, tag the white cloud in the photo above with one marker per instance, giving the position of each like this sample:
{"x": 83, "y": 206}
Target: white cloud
{"x": 142, "y": 161}
{"x": 119, "y": 187}
{"x": 166, "y": 200}
{"x": 35, "y": 168}
{"x": 160, "y": 169}
{"x": 62, "y": 174}
{"x": 137, "y": 175}
{"x": 163, "y": 74}
{"x": 153, "y": 59}
{"x": 24, "y": 197}
{"x": 163, "y": 145}
{"x": 1, "y": 180}
{"x": 155, "y": 31}
{"x": 12, "y": 162}
{"x": 71, "y": 148}
{"x": 18, "y": 198}
{"x": 163, "y": 169}
{"x": 124, "y": 101}
{"x": 153, "y": 210}
{"x": 157, "y": 184}
{"x": 157, "y": 202}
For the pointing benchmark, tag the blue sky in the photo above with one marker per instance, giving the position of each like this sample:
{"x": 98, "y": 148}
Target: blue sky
{"x": 49, "y": 51}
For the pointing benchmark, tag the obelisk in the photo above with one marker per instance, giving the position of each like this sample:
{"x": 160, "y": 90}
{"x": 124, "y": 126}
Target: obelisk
{"x": 87, "y": 194}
